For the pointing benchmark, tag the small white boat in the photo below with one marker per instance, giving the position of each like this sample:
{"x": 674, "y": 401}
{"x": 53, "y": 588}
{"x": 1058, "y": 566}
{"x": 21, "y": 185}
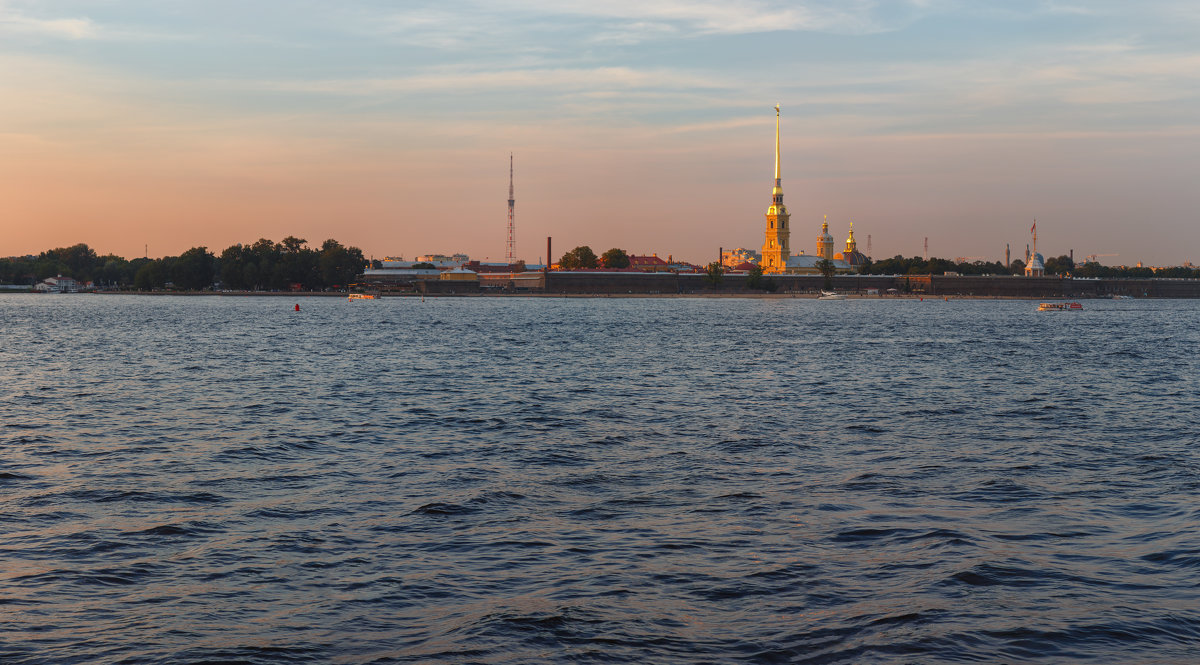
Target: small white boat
{"x": 831, "y": 295}
{"x": 1058, "y": 306}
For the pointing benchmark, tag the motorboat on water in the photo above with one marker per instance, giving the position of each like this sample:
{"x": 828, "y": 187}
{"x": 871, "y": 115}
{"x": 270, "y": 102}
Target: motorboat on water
{"x": 363, "y": 296}
{"x": 1058, "y": 306}
{"x": 830, "y": 295}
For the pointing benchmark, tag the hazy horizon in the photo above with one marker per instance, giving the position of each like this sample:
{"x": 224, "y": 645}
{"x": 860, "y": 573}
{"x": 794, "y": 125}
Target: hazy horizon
{"x": 642, "y": 125}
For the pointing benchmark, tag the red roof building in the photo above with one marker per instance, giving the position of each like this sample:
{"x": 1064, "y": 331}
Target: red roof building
{"x": 648, "y": 263}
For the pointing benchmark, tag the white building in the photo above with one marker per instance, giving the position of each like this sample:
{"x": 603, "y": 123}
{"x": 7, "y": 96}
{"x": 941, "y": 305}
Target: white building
{"x": 440, "y": 261}
{"x": 59, "y": 284}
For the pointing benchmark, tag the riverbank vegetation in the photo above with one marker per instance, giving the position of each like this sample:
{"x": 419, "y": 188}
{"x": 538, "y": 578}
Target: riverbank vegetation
{"x": 261, "y": 266}
{"x": 1055, "y": 265}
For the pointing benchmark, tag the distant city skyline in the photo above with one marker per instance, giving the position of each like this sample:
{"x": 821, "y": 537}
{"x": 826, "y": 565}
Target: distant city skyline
{"x": 642, "y": 125}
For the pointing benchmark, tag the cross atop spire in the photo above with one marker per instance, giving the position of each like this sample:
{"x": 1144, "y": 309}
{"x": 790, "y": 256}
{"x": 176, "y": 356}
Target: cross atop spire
{"x": 778, "y": 185}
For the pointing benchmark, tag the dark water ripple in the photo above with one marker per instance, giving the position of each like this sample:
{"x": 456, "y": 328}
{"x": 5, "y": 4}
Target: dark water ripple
{"x": 221, "y": 480}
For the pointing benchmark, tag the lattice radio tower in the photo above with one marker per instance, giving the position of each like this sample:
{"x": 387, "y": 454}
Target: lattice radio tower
{"x": 512, "y": 239}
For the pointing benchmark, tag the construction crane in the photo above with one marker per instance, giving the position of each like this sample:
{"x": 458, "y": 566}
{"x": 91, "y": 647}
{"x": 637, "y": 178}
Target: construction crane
{"x": 1091, "y": 258}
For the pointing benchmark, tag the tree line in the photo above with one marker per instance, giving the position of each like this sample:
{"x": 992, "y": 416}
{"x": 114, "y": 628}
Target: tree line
{"x": 263, "y": 265}
{"x": 1055, "y": 265}
{"x": 582, "y": 258}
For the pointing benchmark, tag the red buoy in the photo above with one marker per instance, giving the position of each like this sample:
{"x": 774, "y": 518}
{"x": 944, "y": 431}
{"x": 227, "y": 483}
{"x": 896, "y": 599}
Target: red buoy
{"x": 297, "y": 307}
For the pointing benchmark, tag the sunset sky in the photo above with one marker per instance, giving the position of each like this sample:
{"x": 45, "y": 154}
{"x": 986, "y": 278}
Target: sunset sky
{"x": 646, "y": 125}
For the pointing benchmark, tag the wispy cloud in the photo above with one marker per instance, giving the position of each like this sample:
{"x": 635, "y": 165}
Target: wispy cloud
{"x": 471, "y": 81}
{"x": 617, "y": 22}
{"x": 685, "y": 17}
{"x": 67, "y": 28}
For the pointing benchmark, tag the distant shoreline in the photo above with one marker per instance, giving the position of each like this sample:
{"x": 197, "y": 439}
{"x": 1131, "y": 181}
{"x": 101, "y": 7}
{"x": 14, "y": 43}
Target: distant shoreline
{"x": 708, "y": 295}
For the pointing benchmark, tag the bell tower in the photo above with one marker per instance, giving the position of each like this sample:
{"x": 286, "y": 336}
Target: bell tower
{"x": 825, "y": 241}
{"x": 775, "y": 252}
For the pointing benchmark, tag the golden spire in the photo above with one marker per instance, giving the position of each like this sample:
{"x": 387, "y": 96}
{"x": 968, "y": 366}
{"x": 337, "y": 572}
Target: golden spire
{"x": 851, "y": 245}
{"x": 825, "y": 224}
{"x": 778, "y": 183}
{"x": 777, "y": 206}
{"x": 776, "y": 252}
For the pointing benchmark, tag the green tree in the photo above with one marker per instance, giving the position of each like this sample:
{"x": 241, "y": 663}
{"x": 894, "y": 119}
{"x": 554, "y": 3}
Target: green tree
{"x": 48, "y": 266}
{"x": 252, "y": 277}
{"x": 755, "y": 278}
{"x": 264, "y": 255}
{"x": 297, "y": 265}
{"x": 193, "y": 270}
{"x": 233, "y": 267}
{"x": 827, "y": 269}
{"x": 150, "y": 276}
{"x": 897, "y": 265}
{"x": 1017, "y": 267}
{"x": 78, "y": 261}
{"x": 293, "y": 245}
{"x": 936, "y": 266}
{"x": 982, "y": 268}
{"x": 1059, "y": 265}
{"x": 615, "y": 258}
{"x": 1176, "y": 272}
{"x": 714, "y": 274}
{"x": 581, "y": 257}
{"x": 339, "y": 265}
{"x": 113, "y": 272}
{"x": 17, "y": 270}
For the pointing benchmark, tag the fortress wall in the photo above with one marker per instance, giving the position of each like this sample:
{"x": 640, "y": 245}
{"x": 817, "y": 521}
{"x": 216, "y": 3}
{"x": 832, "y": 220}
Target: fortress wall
{"x": 1000, "y": 286}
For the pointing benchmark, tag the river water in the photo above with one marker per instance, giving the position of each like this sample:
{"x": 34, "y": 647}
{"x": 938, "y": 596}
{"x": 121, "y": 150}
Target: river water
{"x": 526, "y": 480}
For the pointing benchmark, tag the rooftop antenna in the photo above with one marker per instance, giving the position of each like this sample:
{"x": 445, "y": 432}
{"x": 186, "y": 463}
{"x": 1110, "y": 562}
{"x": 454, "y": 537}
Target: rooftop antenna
{"x": 512, "y": 242}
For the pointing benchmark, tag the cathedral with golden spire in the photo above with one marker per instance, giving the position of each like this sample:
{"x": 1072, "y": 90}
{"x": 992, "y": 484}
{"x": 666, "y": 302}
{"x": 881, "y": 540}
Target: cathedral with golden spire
{"x": 776, "y": 252}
